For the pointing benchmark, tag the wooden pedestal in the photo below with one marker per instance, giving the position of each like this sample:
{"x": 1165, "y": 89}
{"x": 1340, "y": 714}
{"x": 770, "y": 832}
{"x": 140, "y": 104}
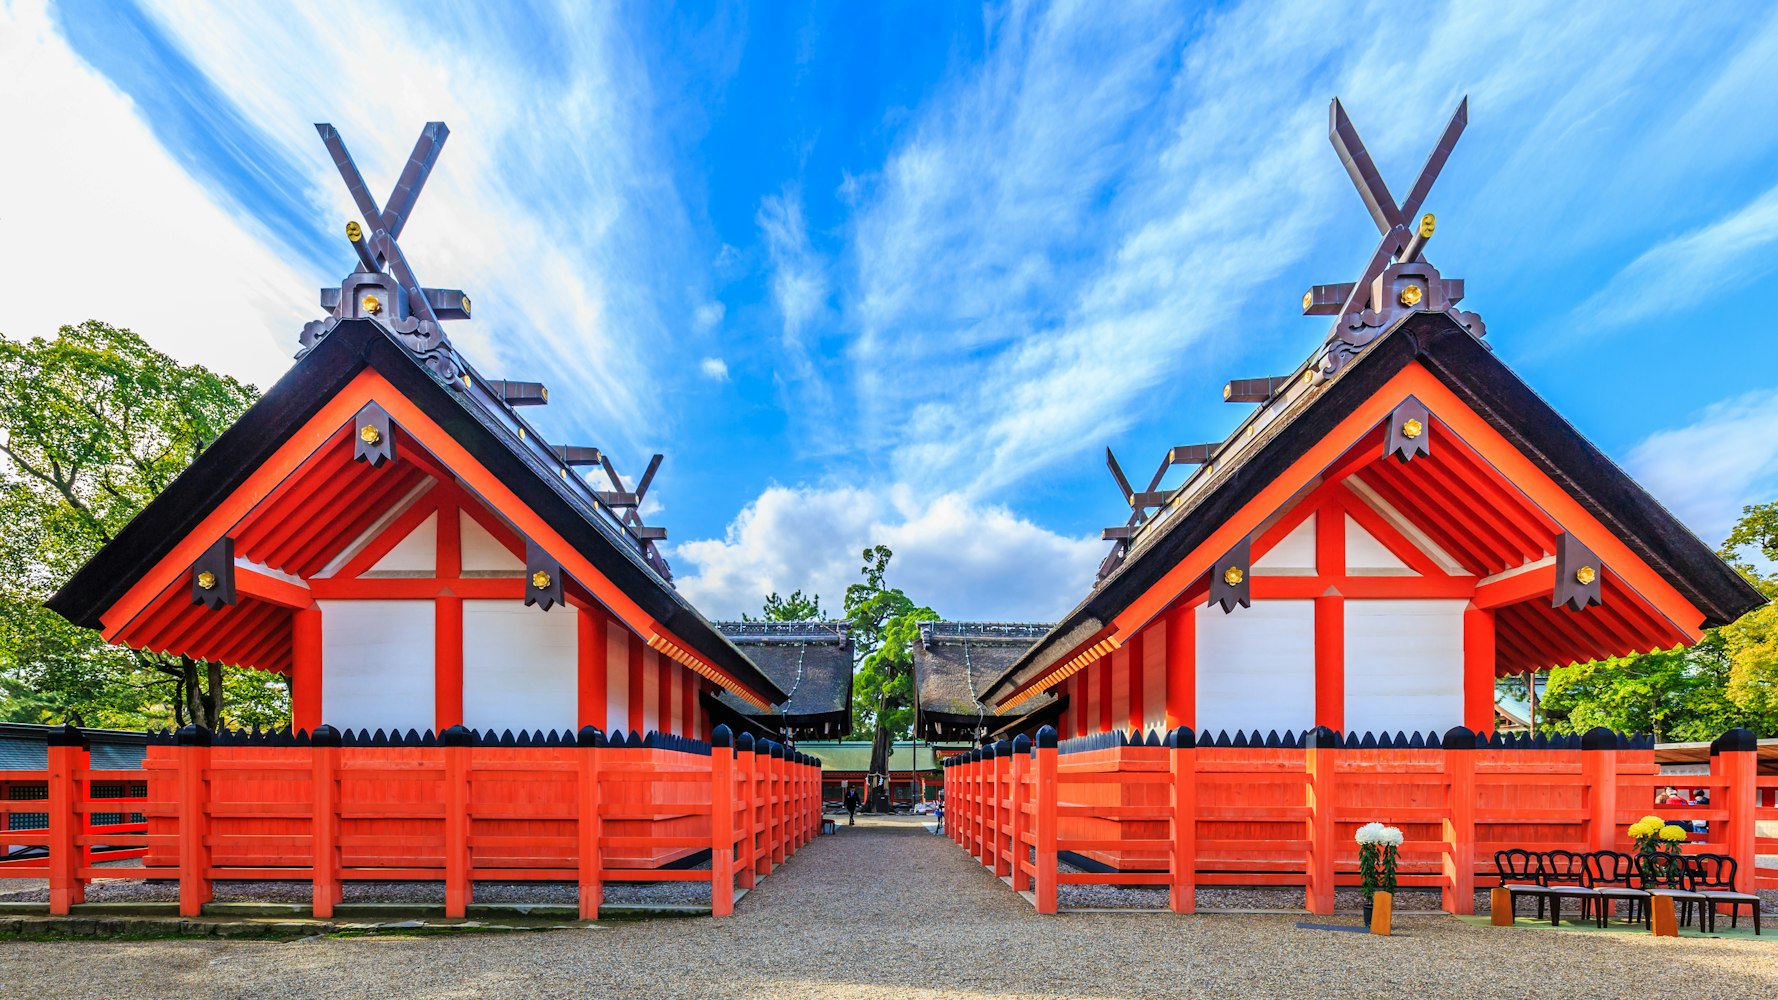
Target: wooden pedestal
{"x": 1500, "y": 907}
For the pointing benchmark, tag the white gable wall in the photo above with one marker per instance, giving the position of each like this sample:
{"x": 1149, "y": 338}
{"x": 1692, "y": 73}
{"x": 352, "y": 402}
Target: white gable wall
{"x": 377, "y": 665}
{"x": 1365, "y": 556}
{"x": 483, "y": 553}
{"x": 519, "y": 666}
{"x": 414, "y": 555}
{"x": 1404, "y": 665}
{"x": 1294, "y": 555}
{"x": 1256, "y": 667}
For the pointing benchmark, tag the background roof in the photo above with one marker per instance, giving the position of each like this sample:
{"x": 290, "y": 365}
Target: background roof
{"x": 810, "y": 661}
{"x": 954, "y": 662}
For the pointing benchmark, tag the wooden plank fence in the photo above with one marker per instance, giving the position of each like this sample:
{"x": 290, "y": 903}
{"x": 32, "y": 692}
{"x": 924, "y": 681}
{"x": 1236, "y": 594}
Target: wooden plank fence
{"x": 329, "y": 808}
{"x": 1194, "y": 810}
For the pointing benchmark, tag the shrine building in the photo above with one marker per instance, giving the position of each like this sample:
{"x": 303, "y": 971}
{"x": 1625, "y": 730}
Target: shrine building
{"x": 810, "y": 661}
{"x": 1394, "y": 524}
{"x": 386, "y": 528}
{"x": 954, "y": 662}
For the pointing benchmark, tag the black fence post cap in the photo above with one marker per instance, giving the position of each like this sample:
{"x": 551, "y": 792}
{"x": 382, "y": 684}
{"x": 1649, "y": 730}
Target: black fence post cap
{"x": 1737, "y": 740}
{"x": 457, "y": 736}
{"x": 1321, "y": 738}
{"x": 195, "y": 736}
{"x": 66, "y": 736}
{"x": 1459, "y": 738}
{"x": 1046, "y": 738}
{"x": 1598, "y": 738}
{"x": 324, "y": 735}
{"x": 722, "y": 736}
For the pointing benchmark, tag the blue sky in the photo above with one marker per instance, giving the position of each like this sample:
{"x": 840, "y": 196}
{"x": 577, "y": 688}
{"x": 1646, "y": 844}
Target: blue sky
{"x": 900, "y": 272}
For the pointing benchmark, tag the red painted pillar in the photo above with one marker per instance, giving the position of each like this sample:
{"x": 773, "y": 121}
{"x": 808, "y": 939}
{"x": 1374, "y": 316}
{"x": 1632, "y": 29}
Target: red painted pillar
{"x": 1019, "y": 794}
{"x": 459, "y": 888}
{"x": 1045, "y": 819}
{"x": 722, "y": 824}
{"x": 1736, "y": 762}
{"x": 999, "y": 852}
{"x": 1136, "y": 664}
{"x": 1318, "y": 760}
{"x": 305, "y": 669}
{"x": 1459, "y": 824}
{"x": 1182, "y": 666}
{"x": 591, "y": 687}
{"x": 1330, "y": 662}
{"x": 1478, "y": 669}
{"x": 746, "y": 763}
{"x": 67, "y": 757}
{"x": 194, "y": 820}
{"x": 688, "y": 703}
{"x": 588, "y": 857}
{"x": 448, "y": 661}
{"x": 664, "y": 700}
{"x": 1183, "y": 863}
{"x": 638, "y": 682}
{"x": 324, "y": 857}
{"x": 1107, "y": 722}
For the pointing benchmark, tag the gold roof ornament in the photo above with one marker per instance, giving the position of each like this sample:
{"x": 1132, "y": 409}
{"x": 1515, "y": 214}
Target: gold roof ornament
{"x": 372, "y": 305}
{"x": 1233, "y": 576}
{"x": 207, "y": 580}
{"x": 540, "y": 580}
{"x": 369, "y": 434}
{"x": 1586, "y": 575}
{"x": 1412, "y": 429}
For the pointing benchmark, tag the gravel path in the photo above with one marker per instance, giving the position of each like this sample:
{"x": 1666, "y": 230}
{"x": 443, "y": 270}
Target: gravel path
{"x": 888, "y": 910}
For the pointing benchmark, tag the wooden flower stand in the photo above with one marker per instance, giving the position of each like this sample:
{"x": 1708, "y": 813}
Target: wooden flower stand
{"x": 1500, "y": 907}
{"x": 1382, "y": 904}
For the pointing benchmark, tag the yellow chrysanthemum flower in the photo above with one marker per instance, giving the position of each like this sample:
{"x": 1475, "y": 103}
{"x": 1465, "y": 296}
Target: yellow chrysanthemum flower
{"x": 1672, "y": 834}
{"x": 1656, "y": 820}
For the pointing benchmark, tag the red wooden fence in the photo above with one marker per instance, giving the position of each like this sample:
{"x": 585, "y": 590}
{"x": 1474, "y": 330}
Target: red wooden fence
{"x": 461, "y": 809}
{"x": 1283, "y": 812}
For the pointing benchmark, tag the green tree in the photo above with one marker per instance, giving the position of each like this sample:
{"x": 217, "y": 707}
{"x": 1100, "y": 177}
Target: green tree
{"x": 1729, "y": 679}
{"x": 884, "y": 625}
{"x": 795, "y": 608}
{"x": 94, "y": 423}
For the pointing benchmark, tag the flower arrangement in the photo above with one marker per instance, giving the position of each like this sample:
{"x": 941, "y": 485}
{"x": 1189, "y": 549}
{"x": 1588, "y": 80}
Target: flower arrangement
{"x": 1657, "y": 844}
{"x": 1378, "y": 849}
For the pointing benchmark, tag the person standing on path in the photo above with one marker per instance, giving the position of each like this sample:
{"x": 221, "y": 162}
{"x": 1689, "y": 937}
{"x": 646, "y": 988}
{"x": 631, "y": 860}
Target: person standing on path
{"x": 851, "y": 807}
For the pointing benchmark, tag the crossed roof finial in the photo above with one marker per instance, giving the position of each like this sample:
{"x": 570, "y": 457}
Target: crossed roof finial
{"x": 394, "y": 298}
{"x": 1398, "y": 278}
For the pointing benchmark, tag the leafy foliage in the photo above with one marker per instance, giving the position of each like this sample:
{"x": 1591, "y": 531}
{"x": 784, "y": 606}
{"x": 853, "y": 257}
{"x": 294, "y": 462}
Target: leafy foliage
{"x": 1729, "y": 679}
{"x": 795, "y": 608}
{"x": 885, "y": 624}
{"x": 93, "y": 425}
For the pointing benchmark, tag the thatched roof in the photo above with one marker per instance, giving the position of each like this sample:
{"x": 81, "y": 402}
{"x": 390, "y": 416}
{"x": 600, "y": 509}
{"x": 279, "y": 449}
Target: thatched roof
{"x": 810, "y": 660}
{"x": 954, "y": 662}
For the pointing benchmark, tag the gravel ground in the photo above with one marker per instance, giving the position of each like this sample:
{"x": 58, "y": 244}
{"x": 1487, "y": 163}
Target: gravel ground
{"x": 236, "y": 891}
{"x": 886, "y": 910}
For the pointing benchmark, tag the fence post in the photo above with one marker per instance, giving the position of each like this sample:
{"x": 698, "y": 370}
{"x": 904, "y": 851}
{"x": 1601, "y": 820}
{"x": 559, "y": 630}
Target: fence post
{"x": 722, "y": 822}
{"x": 194, "y": 820}
{"x": 1018, "y": 795}
{"x": 457, "y": 743}
{"x": 1183, "y": 865}
{"x": 1459, "y": 832}
{"x": 999, "y": 852}
{"x": 1736, "y": 759}
{"x": 1044, "y": 792}
{"x": 589, "y": 859}
{"x": 778, "y": 797}
{"x": 744, "y": 764}
{"x": 984, "y": 807}
{"x": 67, "y": 754}
{"x": 324, "y": 863}
{"x": 1318, "y": 760}
{"x": 1598, "y": 766}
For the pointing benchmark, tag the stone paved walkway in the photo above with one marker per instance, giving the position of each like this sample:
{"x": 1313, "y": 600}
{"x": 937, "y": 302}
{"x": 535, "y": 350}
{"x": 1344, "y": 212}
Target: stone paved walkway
{"x": 887, "y": 910}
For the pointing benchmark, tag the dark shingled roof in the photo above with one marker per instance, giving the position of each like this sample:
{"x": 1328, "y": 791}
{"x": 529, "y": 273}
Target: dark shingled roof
{"x": 811, "y": 661}
{"x": 954, "y": 662}
{"x": 1281, "y": 431}
{"x": 487, "y": 428}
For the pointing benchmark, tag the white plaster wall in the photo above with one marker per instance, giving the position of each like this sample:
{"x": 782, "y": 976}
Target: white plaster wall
{"x": 1365, "y": 556}
{"x": 482, "y": 552}
{"x": 1154, "y": 677}
{"x": 1256, "y": 667}
{"x": 1294, "y": 555}
{"x": 415, "y": 554}
{"x": 1404, "y": 665}
{"x": 617, "y": 678}
{"x": 377, "y": 665}
{"x": 519, "y": 668}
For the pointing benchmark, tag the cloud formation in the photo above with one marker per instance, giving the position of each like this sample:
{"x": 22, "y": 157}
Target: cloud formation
{"x": 965, "y": 560}
{"x": 1707, "y": 470}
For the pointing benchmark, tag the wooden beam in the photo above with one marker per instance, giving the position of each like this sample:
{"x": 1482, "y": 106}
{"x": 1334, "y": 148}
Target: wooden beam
{"x": 271, "y": 589}
{"x": 1515, "y": 587}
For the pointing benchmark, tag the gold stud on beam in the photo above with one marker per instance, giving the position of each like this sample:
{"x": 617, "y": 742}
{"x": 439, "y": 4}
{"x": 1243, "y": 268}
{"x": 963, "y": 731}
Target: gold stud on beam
{"x": 354, "y": 231}
{"x": 1586, "y": 575}
{"x": 1308, "y": 300}
{"x": 1233, "y": 576}
{"x": 369, "y": 434}
{"x": 1411, "y": 296}
{"x": 207, "y": 580}
{"x": 540, "y": 580}
{"x": 1412, "y": 429}
{"x": 372, "y": 305}
{"x": 1427, "y": 224}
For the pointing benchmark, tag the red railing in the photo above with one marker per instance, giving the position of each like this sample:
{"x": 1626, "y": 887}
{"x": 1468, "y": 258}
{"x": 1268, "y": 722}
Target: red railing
{"x": 458, "y": 810}
{"x": 1284, "y": 814}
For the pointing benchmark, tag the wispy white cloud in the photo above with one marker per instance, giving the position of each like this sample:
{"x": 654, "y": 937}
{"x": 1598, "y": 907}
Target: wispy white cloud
{"x": 1707, "y": 470}
{"x": 99, "y": 222}
{"x": 714, "y": 369}
{"x": 1673, "y": 275}
{"x": 547, "y": 204}
{"x": 708, "y": 316}
{"x": 965, "y": 560}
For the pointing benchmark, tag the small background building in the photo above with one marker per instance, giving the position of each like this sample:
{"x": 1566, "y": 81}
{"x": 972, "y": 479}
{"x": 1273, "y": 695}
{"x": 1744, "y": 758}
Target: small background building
{"x": 811, "y": 661}
{"x": 955, "y": 662}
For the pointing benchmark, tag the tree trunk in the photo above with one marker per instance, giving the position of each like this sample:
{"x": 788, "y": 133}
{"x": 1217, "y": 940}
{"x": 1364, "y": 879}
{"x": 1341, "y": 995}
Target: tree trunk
{"x": 202, "y": 707}
{"x": 877, "y": 779}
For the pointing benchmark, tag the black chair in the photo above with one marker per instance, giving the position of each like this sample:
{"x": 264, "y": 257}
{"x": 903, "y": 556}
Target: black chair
{"x": 1565, "y": 877}
{"x": 1665, "y": 875}
{"x": 1521, "y": 874}
{"x": 1613, "y": 875}
{"x": 1712, "y": 876}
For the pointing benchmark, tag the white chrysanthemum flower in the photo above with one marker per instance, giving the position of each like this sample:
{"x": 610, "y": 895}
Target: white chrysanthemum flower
{"x": 1370, "y": 833}
{"x": 1392, "y": 836}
